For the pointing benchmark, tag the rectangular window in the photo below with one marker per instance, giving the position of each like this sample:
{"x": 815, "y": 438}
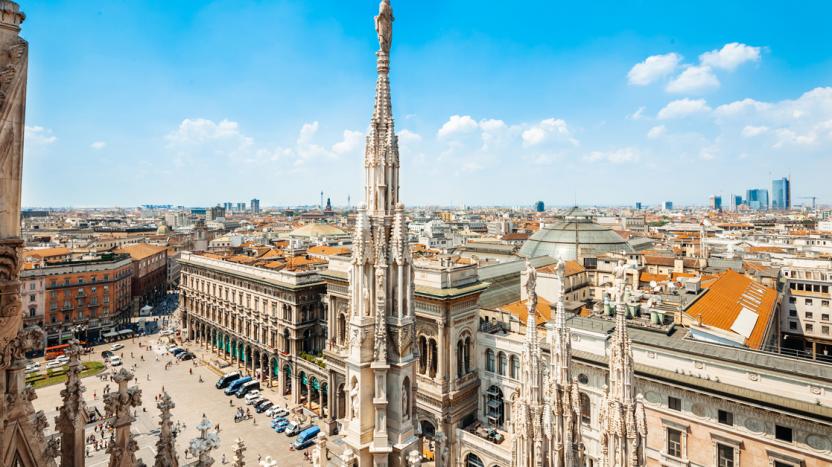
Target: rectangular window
{"x": 792, "y": 325}
{"x": 782, "y": 464}
{"x": 792, "y": 299}
{"x": 809, "y": 328}
{"x": 724, "y": 455}
{"x": 824, "y": 303}
{"x": 674, "y": 442}
{"x": 824, "y": 330}
{"x": 674, "y": 403}
{"x": 726, "y": 417}
{"x": 783, "y": 433}
{"x": 825, "y": 317}
{"x": 809, "y": 315}
{"x": 793, "y": 313}
{"x": 31, "y": 298}
{"x": 808, "y": 301}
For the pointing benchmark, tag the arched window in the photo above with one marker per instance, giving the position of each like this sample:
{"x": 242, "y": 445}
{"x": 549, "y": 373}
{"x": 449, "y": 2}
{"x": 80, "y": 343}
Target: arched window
{"x": 586, "y": 409}
{"x": 467, "y": 357}
{"x": 514, "y": 367}
{"x": 423, "y": 355}
{"x": 342, "y": 328}
{"x": 460, "y": 365}
{"x": 489, "y": 360}
{"x": 501, "y": 363}
{"x": 471, "y": 460}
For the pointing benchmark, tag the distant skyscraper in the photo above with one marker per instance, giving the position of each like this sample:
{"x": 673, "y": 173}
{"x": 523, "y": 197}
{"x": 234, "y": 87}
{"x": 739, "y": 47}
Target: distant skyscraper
{"x": 757, "y": 198}
{"x": 539, "y": 206}
{"x": 638, "y": 205}
{"x": 668, "y": 205}
{"x": 781, "y": 194}
{"x": 255, "y": 206}
{"x": 736, "y": 202}
{"x": 241, "y": 207}
{"x": 228, "y": 206}
{"x": 716, "y": 202}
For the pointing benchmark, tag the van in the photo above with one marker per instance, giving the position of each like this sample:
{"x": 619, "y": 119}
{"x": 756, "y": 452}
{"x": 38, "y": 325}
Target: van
{"x": 227, "y": 378}
{"x": 235, "y": 385}
{"x": 306, "y": 437}
{"x": 246, "y": 387}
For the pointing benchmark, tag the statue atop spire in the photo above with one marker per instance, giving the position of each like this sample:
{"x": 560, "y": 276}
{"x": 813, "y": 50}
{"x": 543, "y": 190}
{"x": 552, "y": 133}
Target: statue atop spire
{"x": 384, "y": 26}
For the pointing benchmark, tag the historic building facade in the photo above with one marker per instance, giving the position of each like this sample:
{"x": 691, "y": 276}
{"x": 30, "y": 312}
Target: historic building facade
{"x": 267, "y": 323}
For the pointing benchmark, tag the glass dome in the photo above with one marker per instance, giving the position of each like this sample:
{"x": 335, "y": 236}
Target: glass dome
{"x": 576, "y": 235}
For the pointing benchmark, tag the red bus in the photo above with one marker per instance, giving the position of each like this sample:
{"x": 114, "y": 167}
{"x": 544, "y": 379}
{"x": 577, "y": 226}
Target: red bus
{"x": 55, "y": 351}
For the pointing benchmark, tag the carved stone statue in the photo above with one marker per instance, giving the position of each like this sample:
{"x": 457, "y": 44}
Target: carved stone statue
{"x": 354, "y": 399}
{"x": 384, "y": 26}
{"x": 405, "y": 401}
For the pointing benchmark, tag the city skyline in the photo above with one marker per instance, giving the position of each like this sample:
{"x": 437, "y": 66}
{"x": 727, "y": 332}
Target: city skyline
{"x": 565, "y": 105}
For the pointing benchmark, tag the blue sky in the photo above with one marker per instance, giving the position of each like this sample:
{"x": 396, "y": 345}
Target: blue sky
{"x": 199, "y": 102}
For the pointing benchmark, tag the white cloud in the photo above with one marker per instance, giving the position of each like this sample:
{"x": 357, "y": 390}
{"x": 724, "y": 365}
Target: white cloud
{"x": 742, "y": 107}
{"x": 638, "y": 114}
{"x": 98, "y": 145}
{"x": 683, "y": 108}
{"x": 39, "y": 135}
{"x": 407, "y": 137}
{"x": 351, "y": 142}
{"x": 307, "y": 132}
{"x": 693, "y": 79}
{"x": 656, "y": 132}
{"x": 730, "y": 56}
{"x": 653, "y": 68}
{"x": 750, "y": 131}
{"x": 548, "y": 129}
{"x": 457, "y": 124}
{"x": 492, "y": 124}
{"x": 200, "y": 130}
{"x": 615, "y": 156}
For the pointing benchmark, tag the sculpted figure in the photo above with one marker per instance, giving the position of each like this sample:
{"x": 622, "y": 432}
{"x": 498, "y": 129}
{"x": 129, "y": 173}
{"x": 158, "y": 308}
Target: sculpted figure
{"x": 384, "y": 26}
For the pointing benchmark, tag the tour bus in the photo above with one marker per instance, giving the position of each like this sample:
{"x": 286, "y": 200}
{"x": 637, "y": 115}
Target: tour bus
{"x": 227, "y": 378}
{"x": 246, "y": 387}
{"x": 306, "y": 438}
{"x": 235, "y": 385}
{"x": 55, "y": 351}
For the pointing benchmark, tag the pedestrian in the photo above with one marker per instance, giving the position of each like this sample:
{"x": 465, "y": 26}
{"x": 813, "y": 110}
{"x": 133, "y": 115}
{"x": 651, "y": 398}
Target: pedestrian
{"x": 148, "y": 376}
{"x": 94, "y": 395}
{"x": 223, "y": 459}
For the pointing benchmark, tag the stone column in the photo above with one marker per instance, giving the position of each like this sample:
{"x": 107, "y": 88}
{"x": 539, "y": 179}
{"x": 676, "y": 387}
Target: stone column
{"x": 442, "y": 354}
{"x": 122, "y": 447}
{"x": 18, "y": 420}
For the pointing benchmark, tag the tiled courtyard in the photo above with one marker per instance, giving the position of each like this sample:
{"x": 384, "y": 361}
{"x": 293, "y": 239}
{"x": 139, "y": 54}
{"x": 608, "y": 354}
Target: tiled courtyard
{"x": 192, "y": 399}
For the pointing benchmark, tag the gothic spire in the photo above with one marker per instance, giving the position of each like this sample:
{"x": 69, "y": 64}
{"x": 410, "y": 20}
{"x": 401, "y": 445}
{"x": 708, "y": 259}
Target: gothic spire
{"x": 166, "y": 446}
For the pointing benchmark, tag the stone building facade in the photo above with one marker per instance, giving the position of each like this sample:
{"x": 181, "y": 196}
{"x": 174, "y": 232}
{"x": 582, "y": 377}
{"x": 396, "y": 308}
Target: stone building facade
{"x": 265, "y": 322}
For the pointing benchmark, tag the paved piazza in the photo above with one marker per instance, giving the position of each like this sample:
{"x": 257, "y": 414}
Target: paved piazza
{"x": 192, "y": 400}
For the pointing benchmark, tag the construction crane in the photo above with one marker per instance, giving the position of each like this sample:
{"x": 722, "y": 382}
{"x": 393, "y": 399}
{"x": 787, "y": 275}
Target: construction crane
{"x": 813, "y": 198}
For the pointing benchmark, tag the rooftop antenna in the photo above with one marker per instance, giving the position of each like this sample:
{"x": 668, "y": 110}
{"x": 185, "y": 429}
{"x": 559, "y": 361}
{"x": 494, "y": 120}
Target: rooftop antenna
{"x": 322, "y": 200}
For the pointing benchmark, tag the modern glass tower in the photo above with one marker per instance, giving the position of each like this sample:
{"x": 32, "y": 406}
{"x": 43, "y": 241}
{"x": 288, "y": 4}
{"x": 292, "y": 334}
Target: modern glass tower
{"x": 781, "y": 194}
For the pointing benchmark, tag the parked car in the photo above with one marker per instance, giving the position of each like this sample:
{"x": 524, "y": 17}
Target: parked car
{"x": 263, "y": 405}
{"x": 186, "y": 356}
{"x": 276, "y": 412}
{"x": 246, "y": 388}
{"x": 62, "y": 359}
{"x": 280, "y": 425}
{"x": 227, "y": 378}
{"x": 32, "y": 367}
{"x": 115, "y": 361}
{"x": 171, "y": 347}
{"x": 116, "y": 346}
{"x": 252, "y": 395}
{"x": 106, "y": 354}
{"x": 167, "y": 332}
{"x": 306, "y": 438}
{"x": 54, "y": 364}
{"x": 176, "y": 351}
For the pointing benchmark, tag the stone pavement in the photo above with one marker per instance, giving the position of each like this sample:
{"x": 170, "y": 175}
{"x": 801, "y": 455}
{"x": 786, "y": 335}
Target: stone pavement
{"x": 192, "y": 399}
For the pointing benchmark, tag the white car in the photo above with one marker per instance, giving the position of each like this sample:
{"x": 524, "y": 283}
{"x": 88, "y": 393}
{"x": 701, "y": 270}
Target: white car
{"x": 54, "y": 364}
{"x": 252, "y": 396}
{"x": 116, "y": 346}
{"x": 275, "y": 412}
{"x": 32, "y": 367}
{"x": 167, "y": 332}
{"x": 115, "y": 361}
{"x": 62, "y": 359}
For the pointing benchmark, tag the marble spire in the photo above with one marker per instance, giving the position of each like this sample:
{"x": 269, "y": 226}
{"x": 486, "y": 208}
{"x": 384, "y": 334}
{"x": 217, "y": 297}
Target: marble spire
{"x": 239, "y": 453}
{"x": 166, "y": 446}
{"x": 381, "y": 362}
{"x": 202, "y": 445}
{"x": 72, "y": 415}
{"x": 117, "y": 404}
{"x": 622, "y": 418}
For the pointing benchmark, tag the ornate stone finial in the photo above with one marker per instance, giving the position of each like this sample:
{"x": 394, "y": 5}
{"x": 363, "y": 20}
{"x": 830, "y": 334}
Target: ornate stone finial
{"x": 202, "y": 445}
{"x": 10, "y": 15}
{"x": 239, "y": 452}
{"x": 72, "y": 415}
{"x": 117, "y": 405}
{"x": 384, "y": 26}
{"x": 268, "y": 462}
{"x": 414, "y": 459}
{"x": 166, "y": 446}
